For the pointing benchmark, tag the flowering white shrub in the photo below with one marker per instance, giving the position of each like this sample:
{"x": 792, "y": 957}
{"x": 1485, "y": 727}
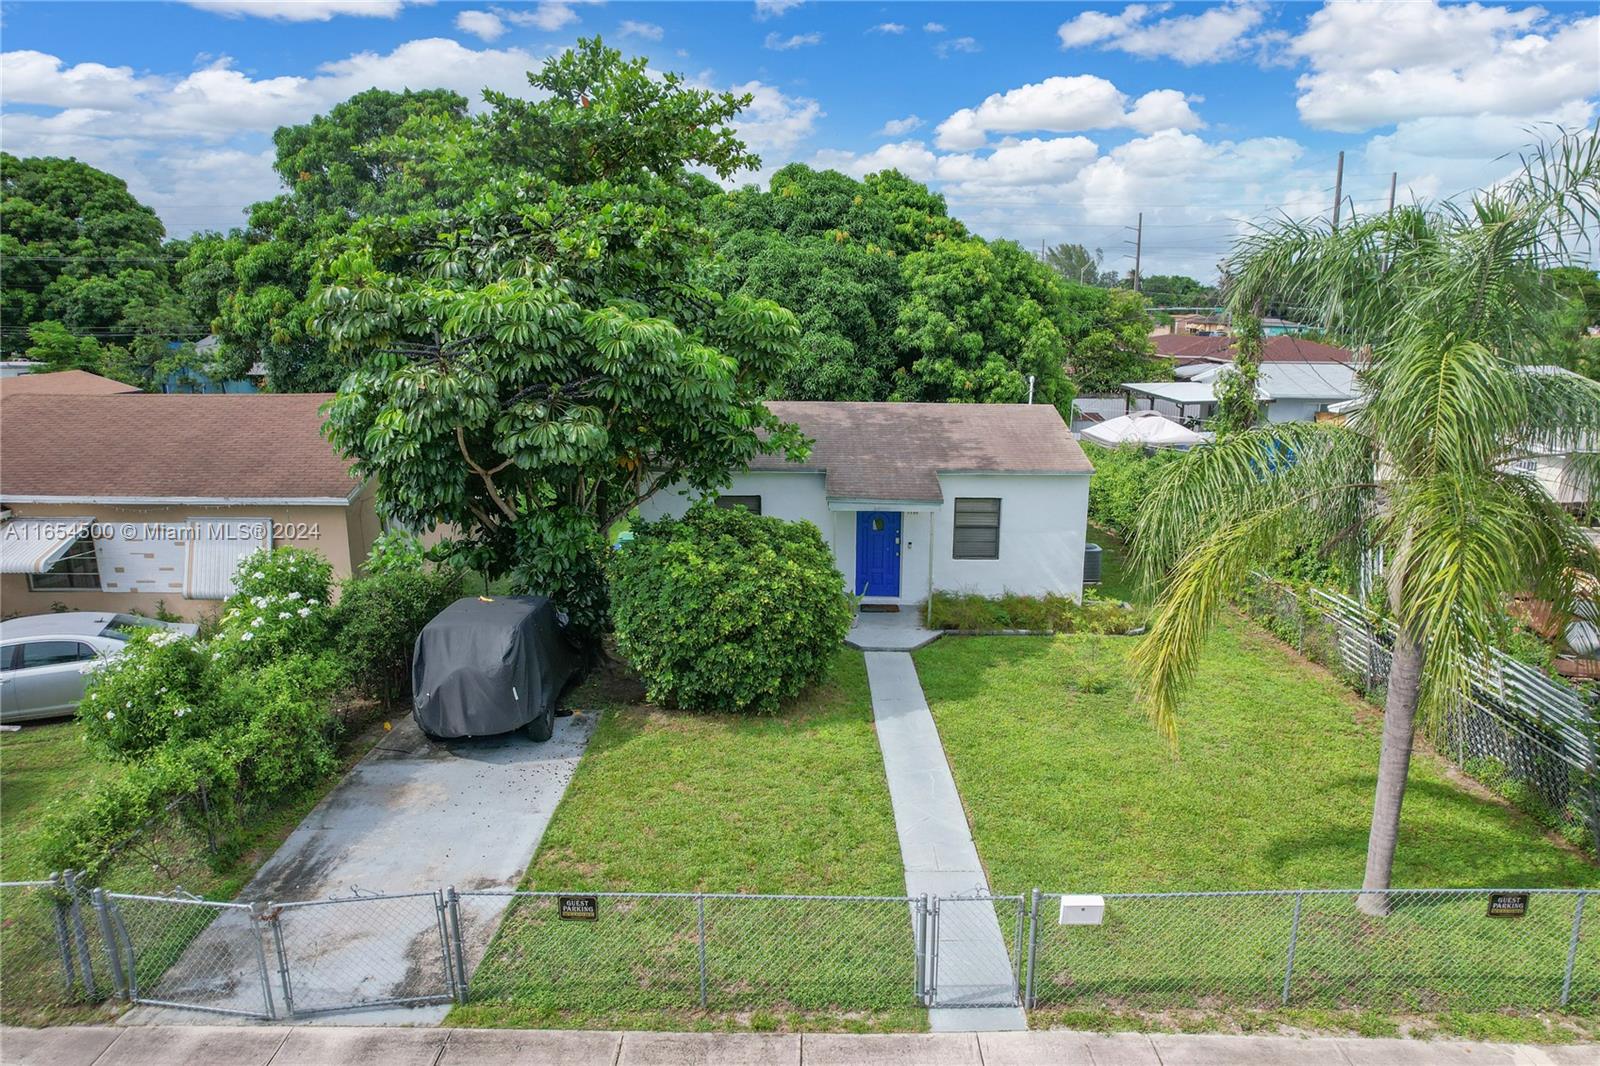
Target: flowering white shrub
{"x": 148, "y": 695}
{"x": 279, "y": 608}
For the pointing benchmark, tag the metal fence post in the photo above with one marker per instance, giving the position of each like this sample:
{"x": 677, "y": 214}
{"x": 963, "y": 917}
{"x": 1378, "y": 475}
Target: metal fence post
{"x": 58, "y": 916}
{"x": 457, "y": 944}
{"x": 1294, "y": 937}
{"x": 919, "y": 947}
{"x": 258, "y": 916}
{"x": 119, "y": 986}
{"x": 274, "y": 915}
{"x": 931, "y": 987}
{"x": 700, "y": 933}
{"x": 1572, "y": 947}
{"x": 1033, "y": 948}
{"x": 80, "y": 937}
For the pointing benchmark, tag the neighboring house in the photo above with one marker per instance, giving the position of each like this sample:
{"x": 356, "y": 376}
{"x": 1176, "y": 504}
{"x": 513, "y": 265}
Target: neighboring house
{"x": 64, "y": 383}
{"x": 121, "y": 502}
{"x": 196, "y": 379}
{"x": 985, "y": 498}
{"x": 1186, "y": 350}
{"x": 1289, "y": 392}
{"x": 11, "y": 368}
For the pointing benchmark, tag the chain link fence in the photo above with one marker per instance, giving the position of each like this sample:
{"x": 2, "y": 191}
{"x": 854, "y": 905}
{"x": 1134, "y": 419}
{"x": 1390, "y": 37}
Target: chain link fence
{"x": 615, "y": 954}
{"x": 1424, "y": 950}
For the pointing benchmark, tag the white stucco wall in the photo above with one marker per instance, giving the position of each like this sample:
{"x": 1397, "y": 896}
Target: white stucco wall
{"x": 1043, "y": 521}
{"x": 1293, "y": 410}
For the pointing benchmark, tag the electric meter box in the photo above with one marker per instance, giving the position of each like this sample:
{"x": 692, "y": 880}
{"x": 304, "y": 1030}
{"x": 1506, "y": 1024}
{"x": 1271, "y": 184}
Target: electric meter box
{"x": 1082, "y": 910}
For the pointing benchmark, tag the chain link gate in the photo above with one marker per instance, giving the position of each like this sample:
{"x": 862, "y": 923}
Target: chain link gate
{"x": 975, "y": 950}
{"x": 363, "y": 953}
{"x": 186, "y": 952}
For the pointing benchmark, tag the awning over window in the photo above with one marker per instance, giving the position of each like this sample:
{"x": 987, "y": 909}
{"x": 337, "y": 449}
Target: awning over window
{"x": 215, "y": 548}
{"x": 34, "y": 545}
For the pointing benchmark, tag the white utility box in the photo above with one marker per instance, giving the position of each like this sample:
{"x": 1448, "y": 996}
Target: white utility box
{"x": 1082, "y": 910}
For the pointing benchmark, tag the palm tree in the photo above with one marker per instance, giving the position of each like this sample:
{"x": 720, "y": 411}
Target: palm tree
{"x": 1453, "y": 305}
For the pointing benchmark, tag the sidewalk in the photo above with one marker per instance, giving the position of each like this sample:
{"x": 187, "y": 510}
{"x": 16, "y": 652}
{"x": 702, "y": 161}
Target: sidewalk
{"x": 389, "y": 1046}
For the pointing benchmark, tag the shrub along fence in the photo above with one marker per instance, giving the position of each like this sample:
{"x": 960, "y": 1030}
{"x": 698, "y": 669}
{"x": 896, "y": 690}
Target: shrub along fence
{"x": 503, "y": 954}
{"x": 1520, "y": 732}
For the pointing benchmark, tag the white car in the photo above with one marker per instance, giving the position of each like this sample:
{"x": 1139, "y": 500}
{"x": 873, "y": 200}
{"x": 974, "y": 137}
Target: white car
{"x": 42, "y": 657}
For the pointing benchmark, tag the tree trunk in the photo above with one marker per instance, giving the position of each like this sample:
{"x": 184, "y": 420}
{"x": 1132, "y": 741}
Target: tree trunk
{"x": 1394, "y": 761}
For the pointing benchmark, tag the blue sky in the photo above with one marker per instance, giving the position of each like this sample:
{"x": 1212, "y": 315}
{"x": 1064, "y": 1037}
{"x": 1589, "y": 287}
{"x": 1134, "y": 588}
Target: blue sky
{"x": 1038, "y": 121}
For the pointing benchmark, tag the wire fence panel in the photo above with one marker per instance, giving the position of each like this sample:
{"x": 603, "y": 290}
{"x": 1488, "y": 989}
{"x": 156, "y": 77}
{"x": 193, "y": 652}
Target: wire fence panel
{"x": 38, "y": 970}
{"x": 362, "y": 953}
{"x": 193, "y": 954}
{"x": 976, "y": 945}
{"x": 621, "y": 951}
{"x": 1434, "y": 950}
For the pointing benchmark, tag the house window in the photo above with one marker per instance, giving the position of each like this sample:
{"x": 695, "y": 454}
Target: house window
{"x": 977, "y": 528}
{"x": 749, "y": 503}
{"x": 78, "y": 569}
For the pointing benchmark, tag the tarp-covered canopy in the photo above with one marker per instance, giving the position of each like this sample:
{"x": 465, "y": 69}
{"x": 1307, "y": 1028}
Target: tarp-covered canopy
{"x": 489, "y": 665}
{"x": 35, "y": 545}
{"x": 1145, "y": 428}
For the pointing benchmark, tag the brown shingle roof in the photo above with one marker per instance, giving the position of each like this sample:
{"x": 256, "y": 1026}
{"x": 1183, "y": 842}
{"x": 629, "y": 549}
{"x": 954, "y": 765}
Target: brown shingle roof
{"x": 895, "y": 451}
{"x": 62, "y": 383}
{"x": 1280, "y": 349}
{"x": 180, "y": 446}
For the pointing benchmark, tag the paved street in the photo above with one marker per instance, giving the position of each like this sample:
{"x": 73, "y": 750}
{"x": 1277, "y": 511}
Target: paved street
{"x": 391, "y": 1046}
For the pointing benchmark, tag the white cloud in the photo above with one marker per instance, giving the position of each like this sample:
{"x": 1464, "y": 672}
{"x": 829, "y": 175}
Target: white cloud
{"x": 37, "y": 78}
{"x": 1062, "y": 105}
{"x": 771, "y": 9}
{"x": 1216, "y": 34}
{"x": 888, "y": 27}
{"x": 1375, "y": 65}
{"x": 547, "y": 15}
{"x": 301, "y": 10}
{"x": 485, "y": 25}
{"x": 957, "y": 44}
{"x": 647, "y": 31}
{"x": 775, "y": 122}
{"x": 899, "y": 127}
{"x": 911, "y": 158}
{"x": 1035, "y": 161}
{"x": 933, "y": 27}
{"x": 779, "y": 43}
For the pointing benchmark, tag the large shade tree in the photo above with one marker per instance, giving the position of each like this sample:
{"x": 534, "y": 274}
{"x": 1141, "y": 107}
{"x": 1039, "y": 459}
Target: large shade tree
{"x": 1451, "y": 301}
{"x": 534, "y": 364}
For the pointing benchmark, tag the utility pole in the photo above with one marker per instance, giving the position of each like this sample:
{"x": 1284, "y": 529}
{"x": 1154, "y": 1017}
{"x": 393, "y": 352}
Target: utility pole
{"x": 1138, "y": 249}
{"x": 1338, "y": 191}
{"x": 1394, "y": 176}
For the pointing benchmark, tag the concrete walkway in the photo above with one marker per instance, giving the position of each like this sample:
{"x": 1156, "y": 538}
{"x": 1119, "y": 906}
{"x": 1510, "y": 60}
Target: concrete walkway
{"x": 413, "y": 816}
{"x": 890, "y": 631}
{"x": 236, "y": 1046}
{"x": 974, "y": 968}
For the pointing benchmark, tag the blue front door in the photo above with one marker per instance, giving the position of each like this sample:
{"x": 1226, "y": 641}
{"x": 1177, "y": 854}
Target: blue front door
{"x": 877, "y": 553}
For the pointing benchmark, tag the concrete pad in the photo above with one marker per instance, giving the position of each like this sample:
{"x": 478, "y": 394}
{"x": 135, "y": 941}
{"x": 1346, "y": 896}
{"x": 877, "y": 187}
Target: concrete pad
{"x": 710, "y": 1049}
{"x": 206, "y": 1045}
{"x": 1205, "y": 1050}
{"x": 1424, "y": 1053}
{"x": 1564, "y": 1055}
{"x": 75, "y": 1046}
{"x": 900, "y": 1049}
{"x": 348, "y": 1046}
{"x": 514, "y": 1047}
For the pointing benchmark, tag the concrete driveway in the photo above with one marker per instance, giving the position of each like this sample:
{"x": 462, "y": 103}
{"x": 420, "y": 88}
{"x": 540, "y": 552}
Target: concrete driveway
{"x": 413, "y": 816}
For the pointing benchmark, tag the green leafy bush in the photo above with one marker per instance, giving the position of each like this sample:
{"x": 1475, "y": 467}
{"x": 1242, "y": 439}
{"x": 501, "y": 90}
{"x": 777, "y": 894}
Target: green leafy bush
{"x": 379, "y": 617}
{"x": 279, "y": 607}
{"x": 728, "y": 611}
{"x": 970, "y": 612}
{"x": 1122, "y": 481}
{"x": 160, "y": 689}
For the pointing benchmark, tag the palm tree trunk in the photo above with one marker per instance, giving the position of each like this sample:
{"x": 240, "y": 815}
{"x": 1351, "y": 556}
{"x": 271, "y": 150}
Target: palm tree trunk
{"x": 1394, "y": 761}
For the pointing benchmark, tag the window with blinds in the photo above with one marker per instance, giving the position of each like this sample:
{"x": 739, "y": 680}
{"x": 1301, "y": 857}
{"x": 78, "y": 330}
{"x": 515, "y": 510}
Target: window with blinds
{"x": 749, "y": 503}
{"x": 977, "y": 533}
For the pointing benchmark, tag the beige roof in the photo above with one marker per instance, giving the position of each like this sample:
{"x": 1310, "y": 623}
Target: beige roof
{"x": 183, "y": 446}
{"x": 895, "y": 451}
{"x": 63, "y": 383}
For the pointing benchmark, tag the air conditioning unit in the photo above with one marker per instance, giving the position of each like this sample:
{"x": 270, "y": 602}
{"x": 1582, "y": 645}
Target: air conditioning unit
{"x": 1091, "y": 564}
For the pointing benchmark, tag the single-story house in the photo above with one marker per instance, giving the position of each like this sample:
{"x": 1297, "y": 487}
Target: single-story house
{"x": 984, "y": 498}
{"x": 1280, "y": 348}
{"x": 124, "y": 502}
{"x": 1288, "y": 392}
{"x": 202, "y": 379}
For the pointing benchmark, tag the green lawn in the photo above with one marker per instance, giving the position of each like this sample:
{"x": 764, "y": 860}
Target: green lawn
{"x": 39, "y": 764}
{"x": 1069, "y": 788}
{"x": 671, "y": 801}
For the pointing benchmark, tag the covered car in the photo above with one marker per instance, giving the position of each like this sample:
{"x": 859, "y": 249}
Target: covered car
{"x": 491, "y": 664}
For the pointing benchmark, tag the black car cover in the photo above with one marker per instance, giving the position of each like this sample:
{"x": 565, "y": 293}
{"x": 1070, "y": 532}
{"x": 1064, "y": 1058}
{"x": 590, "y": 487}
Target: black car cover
{"x": 490, "y": 664}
